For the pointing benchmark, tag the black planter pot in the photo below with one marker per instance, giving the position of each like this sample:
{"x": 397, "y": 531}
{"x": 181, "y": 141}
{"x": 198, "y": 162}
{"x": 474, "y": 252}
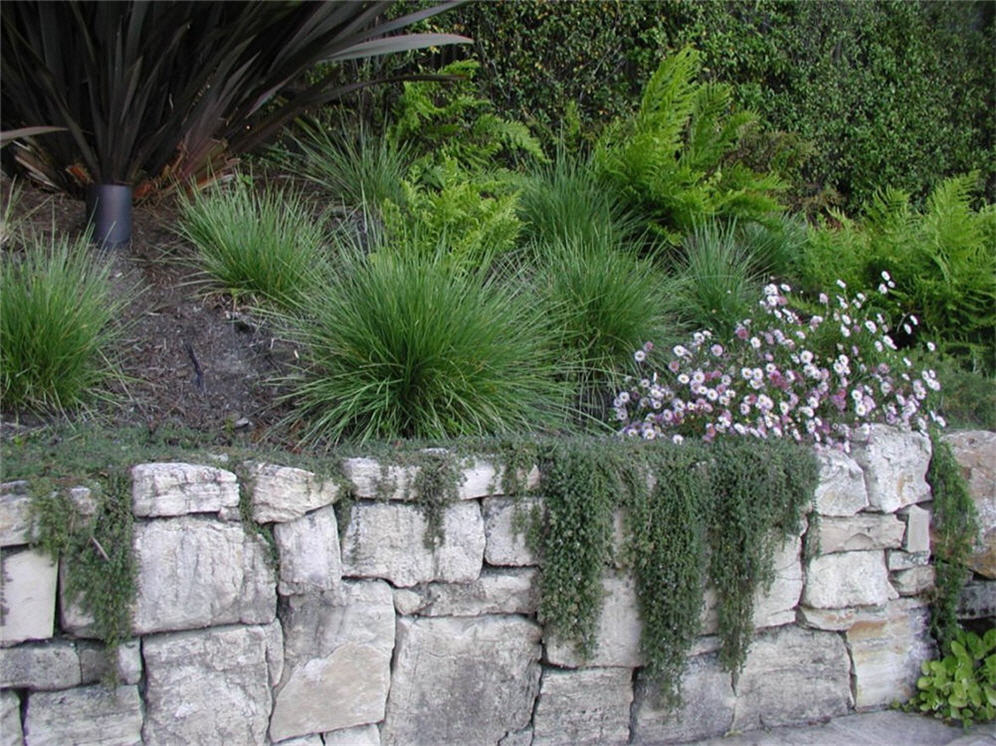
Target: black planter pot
{"x": 108, "y": 211}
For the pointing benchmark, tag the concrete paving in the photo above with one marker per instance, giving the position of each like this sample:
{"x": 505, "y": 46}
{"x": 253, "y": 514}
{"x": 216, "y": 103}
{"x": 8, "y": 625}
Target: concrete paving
{"x": 887, "y": 728}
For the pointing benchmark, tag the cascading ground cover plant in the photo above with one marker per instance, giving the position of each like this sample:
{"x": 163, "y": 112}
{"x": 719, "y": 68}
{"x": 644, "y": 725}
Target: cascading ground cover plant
{"x": 810, "y": 378}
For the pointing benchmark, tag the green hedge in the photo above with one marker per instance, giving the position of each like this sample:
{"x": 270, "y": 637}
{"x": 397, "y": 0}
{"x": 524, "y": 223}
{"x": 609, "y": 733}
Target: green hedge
{"x": 889, "y": 93}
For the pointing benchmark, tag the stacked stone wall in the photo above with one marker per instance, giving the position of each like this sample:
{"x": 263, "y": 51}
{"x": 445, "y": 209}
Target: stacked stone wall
{"x": 376, "y": 639}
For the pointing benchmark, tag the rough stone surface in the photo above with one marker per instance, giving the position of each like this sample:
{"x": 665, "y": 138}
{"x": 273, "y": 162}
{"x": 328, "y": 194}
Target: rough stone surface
{"x": 792, "y": 676}
{"x": 178, "y": 489}
{"x": 505, "y": 545}
{"x": 618, "y": 633}
{"x": 462, "y": 680}
{"x": 522, "y": 737}
{"x": 917, "y": 537}
{"x": 87, "y": 715}
{"x": 372, "y": 480}
{"x": 312, "y": 740}
{"x": 586, "y": 706}
{"x": 707, "y": 706}
{"x": 365, "y": 735}
{"x": 509, "y": 591}
{"x": 282, "y": 493}
{"x": 195, "y": 573}
{"x": 386, "y": 541}
{"x": 975, "y": 451}
{"x": 833, "y": 620}
{"x": 15, "y": 516}
{"x": 777, "y": 606}
{"x": 310, "y": 559}
{"x": 49, "y": 665}
{"x": 895, "y": 465}
{"x": 10, "y": 719}
{"x": 899, "y": 560}
{"x": 847, "y": 579}
{"x": 338, "y": 658}
{"x": 887, "y": 654}
{"x": 480, "y": 479}
{"x": 126, "y": 661}
{"x": 27, "y": 594}
{"x": 860, "y": 532}
{"x": 207, "y": 686}
{"x": 841, "y": 490}
{"x": 978, "y": 600}
{"x": 914, "y": 581}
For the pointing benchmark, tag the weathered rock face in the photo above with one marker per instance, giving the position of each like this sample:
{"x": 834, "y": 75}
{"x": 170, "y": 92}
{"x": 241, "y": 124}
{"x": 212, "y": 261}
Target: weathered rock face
{"x": 859, "y": 532}
{"x": 777, "y": 606}
{"x": 506, "y": 545}
{"x": 11, "y": 733}
{"x": 386, "y": 540}
{"x": 310, "y": 559}
{"x": 895, "y": 466}
{"x": 365, "y": 735}
{"x": 338, "y": 658}
{"x": 27, "y": 595}
{"x": 179, "y": 489}
{"x": 15, "y": 514}
{"x": 281, "y": 493}
{"x": 210, "y": 686}
{"x": 96, "y": 663}
{"x": 496, "y": 591}
{"x": 847, "y": 579}
{"x": 706, "y": 711}
{"x": 793, "y": 675}
{"x": 48, "y": 665}
{"x": 89, "y": 714}
{"x": 194, "y": 572}
{"x": 975, "y": 452}
{"x": 588, "y": 706}
{"x": 459, "y": 681}
{"x": 841, "y": 491}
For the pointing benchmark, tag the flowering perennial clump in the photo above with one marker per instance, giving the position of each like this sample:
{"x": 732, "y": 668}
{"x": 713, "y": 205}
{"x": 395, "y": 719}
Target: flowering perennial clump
{"x": 783, "y": 375}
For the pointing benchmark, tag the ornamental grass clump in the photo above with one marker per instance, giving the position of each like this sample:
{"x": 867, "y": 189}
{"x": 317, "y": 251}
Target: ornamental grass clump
{"x": 400, "y": 345}
{"x": 783, "y": 375}
{"x": 57, "y": 325}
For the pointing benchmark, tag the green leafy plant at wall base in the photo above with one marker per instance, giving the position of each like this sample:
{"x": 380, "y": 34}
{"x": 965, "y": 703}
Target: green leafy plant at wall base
{"x": 960, "y": 686}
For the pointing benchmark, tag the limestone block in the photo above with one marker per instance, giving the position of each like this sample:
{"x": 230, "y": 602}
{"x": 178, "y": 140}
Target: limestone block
{"x": 195, "y": 572}
{"x": 207, "y": 686}
{"x": 462, "y": 680}
{"x": 978, "y": 600}
{"x": 338, "y": 648}
{"x": 618, "y": 631}
{"x": 275, "y": 651}
{"x": 310, "y": 560}
{"x": 585, "y": 706}
{"x": 860, "y": 532}
{"x": 178, "y": 489}
{"x": 833, "y": 620}
{"x": 364, "y": 735}
{"x": 776, "y": 606}
{"x": 914, "y": 581}
{"x": 10, "y": 719}
{"x": 313, "y": 740}
{"x": 27, "y": 595}
{"x": 386, "y": 540}
{"x": 50, "y": 665}
{"x": 706, "y": 711}
{"x": 505, "y": 544}
{"x": 895, "y": 465}
{"x": 917, "y": 537}
{"x": 509, "y": 591}
{"x": 282, "y": 493}
{"x": 887, "y": 654}
{"x": 841, "y": 490}
{"x": 975, "y": 452}
{"x": 792, "y": 676}
{"x": 15, "y": 514}
{"x": 834, "y": 581}
{"x": 96, "y": 661}
{"x": 87, "y": 715}
{"x": 899, "y": 560}
{"x": 371, "y": 479}
{"x": 483, "y": 479}
{"x": 522, "y": 737}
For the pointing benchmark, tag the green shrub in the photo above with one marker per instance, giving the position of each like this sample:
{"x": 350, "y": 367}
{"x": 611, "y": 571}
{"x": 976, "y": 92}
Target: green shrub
{"x": 401, "y": 346}
{"x": 961, "y": 686}
{"x": 58, "y": 327}
{"x": 669, "y": 159}
{"x": 601, "y": 303}
{"x": 258, "y": 243}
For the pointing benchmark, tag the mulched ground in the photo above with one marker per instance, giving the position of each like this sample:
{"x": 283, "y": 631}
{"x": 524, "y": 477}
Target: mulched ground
{"x": 191, "y": 358}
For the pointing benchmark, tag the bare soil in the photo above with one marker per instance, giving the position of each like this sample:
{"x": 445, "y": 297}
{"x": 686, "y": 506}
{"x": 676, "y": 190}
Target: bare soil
{"x": 190, "y": 357}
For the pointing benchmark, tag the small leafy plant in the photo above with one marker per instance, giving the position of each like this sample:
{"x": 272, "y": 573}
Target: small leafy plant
{"x": 961, "y": 686}
{"x": 812, "y": 380}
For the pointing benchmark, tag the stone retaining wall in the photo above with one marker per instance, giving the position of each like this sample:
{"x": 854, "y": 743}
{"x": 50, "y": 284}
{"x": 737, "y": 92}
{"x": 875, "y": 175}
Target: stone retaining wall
{"x": 378, "y": 640}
